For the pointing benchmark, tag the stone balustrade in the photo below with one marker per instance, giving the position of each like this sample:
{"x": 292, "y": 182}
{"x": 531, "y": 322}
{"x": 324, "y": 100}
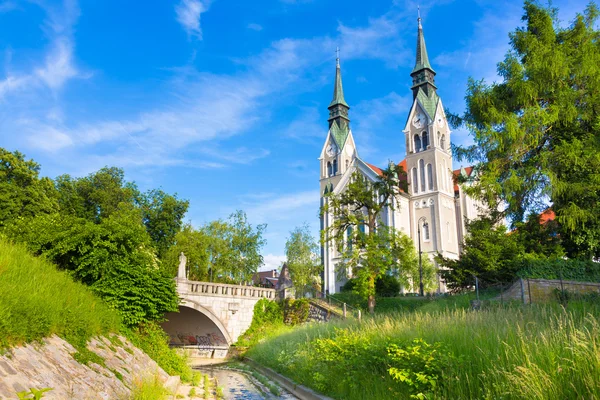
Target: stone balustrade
{"x": 223, "y": 289}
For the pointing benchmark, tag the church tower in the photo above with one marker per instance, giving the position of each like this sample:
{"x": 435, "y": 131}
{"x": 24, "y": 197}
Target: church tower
{"x": 337, "y": 157}
{"x": 429, "y": 162}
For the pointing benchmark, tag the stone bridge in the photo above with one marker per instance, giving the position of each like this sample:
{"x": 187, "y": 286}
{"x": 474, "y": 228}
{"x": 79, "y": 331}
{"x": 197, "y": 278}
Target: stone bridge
{"x": 212, "y": 316}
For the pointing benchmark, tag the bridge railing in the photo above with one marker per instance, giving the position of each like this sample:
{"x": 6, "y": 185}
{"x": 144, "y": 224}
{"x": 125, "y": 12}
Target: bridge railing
{"x": 223, "y": 289}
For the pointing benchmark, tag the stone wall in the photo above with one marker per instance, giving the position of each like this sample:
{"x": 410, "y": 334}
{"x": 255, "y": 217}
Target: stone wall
{"x": 543, "y": 290}
{"x": 51, "y": 365}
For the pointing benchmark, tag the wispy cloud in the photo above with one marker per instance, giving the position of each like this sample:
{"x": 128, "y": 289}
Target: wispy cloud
{"x": 6, "y": 6}
{"x": 272, "y": 207}
{"x": 188, "y": 15}
{"x": 255, "y": 27}
{"x": 272, "y": 261}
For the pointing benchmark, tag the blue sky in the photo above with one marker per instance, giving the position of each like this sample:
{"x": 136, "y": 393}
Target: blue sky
{"x": 225, "y": 102}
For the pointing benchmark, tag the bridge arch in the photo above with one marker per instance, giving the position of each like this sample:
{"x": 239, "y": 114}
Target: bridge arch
{"x": 192, "y": 323}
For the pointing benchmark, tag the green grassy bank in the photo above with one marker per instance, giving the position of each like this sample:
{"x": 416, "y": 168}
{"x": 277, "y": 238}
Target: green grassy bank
{"x": 37, "y": 300}
{"x": 510, "y": 352}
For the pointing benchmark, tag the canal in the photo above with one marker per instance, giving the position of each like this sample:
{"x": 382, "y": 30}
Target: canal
{"x": 238, "y": 385}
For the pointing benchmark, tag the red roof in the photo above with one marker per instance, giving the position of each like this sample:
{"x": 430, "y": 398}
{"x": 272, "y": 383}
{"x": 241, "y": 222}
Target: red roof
{"x": 377, "y": 170}
{"x": 456, "y": 173}
{"x": 546, "y": 216}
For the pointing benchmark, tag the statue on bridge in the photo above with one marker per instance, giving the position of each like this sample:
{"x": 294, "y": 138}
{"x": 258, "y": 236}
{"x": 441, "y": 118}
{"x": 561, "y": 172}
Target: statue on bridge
{"x": 181, "y": 272}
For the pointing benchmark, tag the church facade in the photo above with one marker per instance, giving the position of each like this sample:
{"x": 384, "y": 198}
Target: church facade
{"x": 435, "y": 205}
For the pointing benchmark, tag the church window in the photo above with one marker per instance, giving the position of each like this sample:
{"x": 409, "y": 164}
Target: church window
{"x": 347, "y": 164}
{"x": 422, "y": 169}
{"x": 425, "y": 231}
{"x": 430, "y": 176}
{"x": 417, "y": 143}
{"x": 443, "y": 142}
{"x": 425, "y": 140}
{"x": 349, "y": 238}
{"x": 415, "y": 181}
{"x": 335, "y": 170}
{"x": 329, "y": 169}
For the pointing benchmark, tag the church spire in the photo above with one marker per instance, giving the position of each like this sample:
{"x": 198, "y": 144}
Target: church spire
{"x": 339, "y": 123}
{"x": 423, "y": 75}
{"x": 338, "y": 90}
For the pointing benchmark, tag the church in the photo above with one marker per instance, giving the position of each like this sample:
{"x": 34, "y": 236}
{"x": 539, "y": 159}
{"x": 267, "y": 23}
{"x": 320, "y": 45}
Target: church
{"x": 435, "y": 205}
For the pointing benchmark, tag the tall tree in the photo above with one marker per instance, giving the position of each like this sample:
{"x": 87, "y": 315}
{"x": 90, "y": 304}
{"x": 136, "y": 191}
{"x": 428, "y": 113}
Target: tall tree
{"x": 301, "y": 251}
{"x": 371, "y": 249}
{"x": 537, "y": 133}
{"x": 195, "y": 245}
{"x": 246, "y": 242}
{"x": 23, "y": 193}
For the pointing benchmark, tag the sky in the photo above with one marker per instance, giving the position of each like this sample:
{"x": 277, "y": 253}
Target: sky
{"x": 224, "y": 102}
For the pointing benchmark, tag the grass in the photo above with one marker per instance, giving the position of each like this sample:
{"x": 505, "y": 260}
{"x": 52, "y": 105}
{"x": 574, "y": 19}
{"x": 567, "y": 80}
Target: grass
{"x": 149, "y": 389}
{"x": 37, "y": 300}
{"x": 502, "y": 352}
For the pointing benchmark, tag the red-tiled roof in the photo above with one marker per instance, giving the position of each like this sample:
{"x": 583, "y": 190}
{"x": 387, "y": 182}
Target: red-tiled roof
{"x": 377, "y": 170}
{"x": 456, "y": 173}
{"x": 546, "y": 216}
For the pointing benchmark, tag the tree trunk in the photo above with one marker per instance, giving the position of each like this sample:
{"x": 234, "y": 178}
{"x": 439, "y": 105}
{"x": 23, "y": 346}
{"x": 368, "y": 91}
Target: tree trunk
{"x": 371, "y": 304}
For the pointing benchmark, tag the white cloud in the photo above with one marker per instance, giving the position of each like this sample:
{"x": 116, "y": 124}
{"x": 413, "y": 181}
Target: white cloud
{"x": 272, "y": 207}
{"x": 307, "y": 127}
{"x": 255, "y": 27}
{"x": 188, "y": 15}
{"x": 272, "y": 261}
{"x": 50, "y": 139}
{"x": 59, "y": 66}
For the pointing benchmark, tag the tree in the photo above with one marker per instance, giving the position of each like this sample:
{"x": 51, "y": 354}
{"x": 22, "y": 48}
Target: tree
{"x": 114, "y": 257}
{"x": 245, "y": 242}
{"x": 371, "y": 249}
{"x": 301, "y": 251}
{"x": 489, "y": 252}
{"x": 537, "y": 133}
{"x": 195, "y": 245}
{"x": 163, "y": 217}
{"x": 23, "y": 194}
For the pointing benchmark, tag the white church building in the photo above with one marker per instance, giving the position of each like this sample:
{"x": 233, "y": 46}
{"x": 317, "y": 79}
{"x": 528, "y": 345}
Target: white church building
{"x": 434, "y": 202}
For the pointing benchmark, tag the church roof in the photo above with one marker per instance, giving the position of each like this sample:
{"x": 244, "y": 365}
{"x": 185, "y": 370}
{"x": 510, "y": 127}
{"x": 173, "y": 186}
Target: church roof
{"x": 429, "y": 103}
{"x": 466, "y": 171}
{"x": 340, "y": 134}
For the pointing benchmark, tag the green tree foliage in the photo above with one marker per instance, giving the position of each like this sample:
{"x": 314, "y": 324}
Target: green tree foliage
{"x": 489, "y": 252}
{"x": 301, "y": 251}
{"x": 537, "y": 133}
{"x": 371, "y": 249}
{"x": 220, "y": 251}
{"x": 194, "y": 244}
{"x": 114, "y": 257}
{"x": 23, "y": 194}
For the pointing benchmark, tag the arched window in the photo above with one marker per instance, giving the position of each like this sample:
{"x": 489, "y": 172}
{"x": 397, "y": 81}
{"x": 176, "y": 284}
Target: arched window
{"x": 425, "y": 231}
{"x": 329, "y": 169}
{"x": 425, "y": 140}
{"x": 415, "y": 181}
{"x": 443, "y": 142}
{"x": 347, "y": 164}
{"x": 417, "y": 143}
{"x": 422, "y": 169}
{"x": 335, "y": 167}
{"x": 430, "y": 176}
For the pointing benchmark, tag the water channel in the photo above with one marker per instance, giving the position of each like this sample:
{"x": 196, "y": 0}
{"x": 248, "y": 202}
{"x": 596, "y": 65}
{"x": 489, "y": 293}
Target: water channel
{"x": 240, "y": 386}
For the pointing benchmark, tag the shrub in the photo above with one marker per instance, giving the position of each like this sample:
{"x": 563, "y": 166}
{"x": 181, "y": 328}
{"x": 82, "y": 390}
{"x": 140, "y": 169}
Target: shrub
{"x": 567, "y": 269}
{"x": 387, "y": 286}
{"x": 295, "y": 311}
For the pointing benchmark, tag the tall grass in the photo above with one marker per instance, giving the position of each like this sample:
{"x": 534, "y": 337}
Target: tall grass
{"x": 511, "y": 352}
{"x": 37, "y": 300}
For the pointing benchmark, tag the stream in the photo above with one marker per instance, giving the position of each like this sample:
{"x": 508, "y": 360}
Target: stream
{"x": 239, "y": 386}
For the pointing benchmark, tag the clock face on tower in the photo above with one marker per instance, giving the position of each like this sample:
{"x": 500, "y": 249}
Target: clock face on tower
{"x": 419, "y": 120}
{"x": 331, "y": 150}
{"x": 440, "y": 122}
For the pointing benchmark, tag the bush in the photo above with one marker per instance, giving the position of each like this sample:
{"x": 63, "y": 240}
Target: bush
{"x": 267, "y": 318}
{"x": 387, "y": 286}
{"x": 295, "y": 311}
{"x": 569, "y": 269}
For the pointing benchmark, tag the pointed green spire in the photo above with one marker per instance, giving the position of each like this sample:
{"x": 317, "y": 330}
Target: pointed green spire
{"x": 338, "y": 90}
{"x": 422, "y": 57}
